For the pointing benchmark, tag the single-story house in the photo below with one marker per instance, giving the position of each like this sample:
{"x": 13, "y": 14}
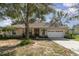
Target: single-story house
{"x": 40, "y": 28}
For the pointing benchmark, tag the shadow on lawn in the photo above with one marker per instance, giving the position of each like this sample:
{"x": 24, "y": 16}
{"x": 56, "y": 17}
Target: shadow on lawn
{"x": 5, "y": 50}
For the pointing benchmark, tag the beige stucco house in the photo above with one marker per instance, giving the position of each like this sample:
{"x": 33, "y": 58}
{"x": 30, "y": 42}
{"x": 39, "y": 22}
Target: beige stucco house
{"x": 40, "y": 28}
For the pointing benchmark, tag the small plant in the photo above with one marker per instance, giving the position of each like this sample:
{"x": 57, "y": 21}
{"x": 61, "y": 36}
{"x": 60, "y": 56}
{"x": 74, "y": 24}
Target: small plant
{"x": 25, "y": 42}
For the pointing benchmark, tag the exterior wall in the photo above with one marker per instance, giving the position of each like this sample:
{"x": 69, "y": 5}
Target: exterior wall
{"x": 49, "y": 32}
{"x": 40, "y": 33}
{"x": 32, "y": 31}
{"x": 46, "y": 32}
{"x": 54, "y": 33}
{"x": 19, "y": 31}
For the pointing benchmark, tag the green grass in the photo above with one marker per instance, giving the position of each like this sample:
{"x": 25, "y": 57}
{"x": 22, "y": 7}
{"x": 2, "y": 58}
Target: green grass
{"x": 76, "y": 37}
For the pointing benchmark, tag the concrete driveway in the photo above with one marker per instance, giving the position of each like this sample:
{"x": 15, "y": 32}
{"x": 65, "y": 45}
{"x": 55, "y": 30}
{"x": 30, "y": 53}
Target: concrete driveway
{"x": 69, "y": 43}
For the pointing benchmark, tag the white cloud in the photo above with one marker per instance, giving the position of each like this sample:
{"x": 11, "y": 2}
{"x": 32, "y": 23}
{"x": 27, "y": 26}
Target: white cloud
{"x": 72, "y": 10}
{"x": 69, "y": 4}
{"x": 5, "y": 23}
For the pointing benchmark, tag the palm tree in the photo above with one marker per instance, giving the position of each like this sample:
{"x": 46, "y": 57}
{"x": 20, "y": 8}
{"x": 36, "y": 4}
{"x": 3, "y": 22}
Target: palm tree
{"x": 76, "y": 16}
{"x": 57, "y": 18}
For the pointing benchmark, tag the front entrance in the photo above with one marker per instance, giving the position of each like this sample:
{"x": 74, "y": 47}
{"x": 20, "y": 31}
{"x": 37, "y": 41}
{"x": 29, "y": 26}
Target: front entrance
{"x": 36, "y": 31}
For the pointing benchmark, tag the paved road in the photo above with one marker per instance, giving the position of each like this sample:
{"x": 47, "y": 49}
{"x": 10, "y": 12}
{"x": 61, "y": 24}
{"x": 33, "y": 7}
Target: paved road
{"x": 70, "y": 44}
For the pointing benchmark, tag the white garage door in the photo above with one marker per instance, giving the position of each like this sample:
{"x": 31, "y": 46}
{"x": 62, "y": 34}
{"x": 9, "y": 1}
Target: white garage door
{"x": 55, "y": 34}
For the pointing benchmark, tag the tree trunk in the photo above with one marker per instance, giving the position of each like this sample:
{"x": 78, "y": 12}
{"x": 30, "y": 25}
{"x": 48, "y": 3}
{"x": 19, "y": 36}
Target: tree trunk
{"x": 27, "y": 23}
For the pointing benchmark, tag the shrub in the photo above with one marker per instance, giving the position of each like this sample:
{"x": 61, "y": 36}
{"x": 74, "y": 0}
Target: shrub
{"x": 25, "y": 42}
{"x": 5, "y": 37}
{"x": 69, "y": 35}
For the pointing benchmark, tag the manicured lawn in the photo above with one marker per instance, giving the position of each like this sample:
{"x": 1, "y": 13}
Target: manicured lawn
{"x": 76, "y": 37}
{"x": 38, "y": 48}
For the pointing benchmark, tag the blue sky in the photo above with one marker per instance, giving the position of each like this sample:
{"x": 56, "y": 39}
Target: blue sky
{"x": 58, "y": 6}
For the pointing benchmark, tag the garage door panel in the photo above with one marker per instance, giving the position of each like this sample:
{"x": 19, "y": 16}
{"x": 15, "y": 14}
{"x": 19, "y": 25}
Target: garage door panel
{"x": 55, "y": 34}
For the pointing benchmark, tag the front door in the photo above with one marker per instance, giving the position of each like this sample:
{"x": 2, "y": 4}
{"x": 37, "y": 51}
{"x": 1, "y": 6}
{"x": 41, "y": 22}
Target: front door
{"x": 36, "y": 31}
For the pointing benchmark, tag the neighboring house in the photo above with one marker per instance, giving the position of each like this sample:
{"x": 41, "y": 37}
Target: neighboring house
{"x": 42, "y": 29}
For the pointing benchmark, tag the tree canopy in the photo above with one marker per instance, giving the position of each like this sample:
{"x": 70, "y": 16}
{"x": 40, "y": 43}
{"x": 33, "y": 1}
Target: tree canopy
{"x": 24, "y": 12}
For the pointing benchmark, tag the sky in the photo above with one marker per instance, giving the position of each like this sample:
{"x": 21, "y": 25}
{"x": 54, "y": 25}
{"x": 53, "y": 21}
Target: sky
{"x": 58, "y": 6}
{"x": 5, "y": 23}
{"x": 66, "y": 7}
